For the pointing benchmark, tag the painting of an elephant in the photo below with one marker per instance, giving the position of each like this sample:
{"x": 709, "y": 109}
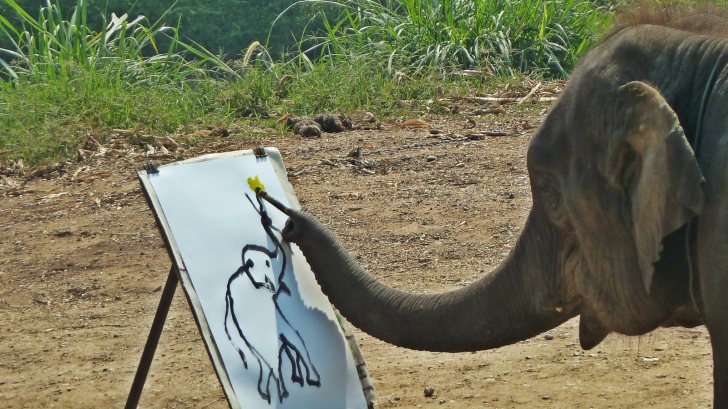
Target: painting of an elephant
{"x": 629, "y": 223}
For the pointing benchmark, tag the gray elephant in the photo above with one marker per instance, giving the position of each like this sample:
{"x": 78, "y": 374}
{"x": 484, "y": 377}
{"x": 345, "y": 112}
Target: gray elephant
{"x": 629, "y": 224}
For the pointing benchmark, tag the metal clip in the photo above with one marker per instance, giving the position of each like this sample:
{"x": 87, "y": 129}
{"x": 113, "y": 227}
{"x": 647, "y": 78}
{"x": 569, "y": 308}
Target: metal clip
{"x": 259, "y": 152}
{"x": 151, "y": 168}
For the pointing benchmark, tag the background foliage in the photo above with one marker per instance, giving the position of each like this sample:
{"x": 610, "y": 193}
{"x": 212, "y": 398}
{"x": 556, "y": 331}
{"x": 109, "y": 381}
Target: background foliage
{"x": 72, "y": 67}
{"x": 222, "y": 25}
{"x": 500, "y": 36}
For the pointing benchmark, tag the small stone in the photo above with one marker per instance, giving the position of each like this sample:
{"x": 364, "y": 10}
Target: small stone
{"x": 442, "y": 401}
{"x": 576, "y": 354}
{"x": 548, "y": 337}
{"x": 369, "y": 117}
{"x": 396, "y": 398}
{"x": 429, "y": 392}
{"x": 354, "y": 152}
{"x": 545, "y": 397}
{"x": 431, "y": 158}
{"x": 529, "y": 357}
{"x": 435, "y": 131}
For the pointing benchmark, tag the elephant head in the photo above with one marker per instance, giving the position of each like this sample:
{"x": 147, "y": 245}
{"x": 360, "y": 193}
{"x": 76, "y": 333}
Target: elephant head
{"x": 616, "y": 182}
{"x": 613, "y": 180}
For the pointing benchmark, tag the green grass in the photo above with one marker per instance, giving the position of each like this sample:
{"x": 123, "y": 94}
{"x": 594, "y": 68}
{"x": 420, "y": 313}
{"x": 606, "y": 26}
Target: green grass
{"x": 59, "y": 75}
{"x": 60, "y": 80}
{"x": 46, "y": 122}
{"x": 501, "y": 36}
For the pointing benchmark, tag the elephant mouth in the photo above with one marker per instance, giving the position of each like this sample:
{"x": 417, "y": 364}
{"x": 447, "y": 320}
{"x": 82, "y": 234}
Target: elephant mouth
{"x": 591, "y": 330}
{"x": 608, "y": 277}
{"x": 598, "y": 319}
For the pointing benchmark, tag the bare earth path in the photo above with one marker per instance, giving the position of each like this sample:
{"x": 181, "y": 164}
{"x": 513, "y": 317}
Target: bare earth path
{"x": 81, "y": 265}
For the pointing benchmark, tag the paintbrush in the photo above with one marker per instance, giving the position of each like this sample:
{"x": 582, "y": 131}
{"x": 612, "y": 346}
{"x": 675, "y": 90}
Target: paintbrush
{"x": 259, "y": 188}
{"x": 278, "y": 205}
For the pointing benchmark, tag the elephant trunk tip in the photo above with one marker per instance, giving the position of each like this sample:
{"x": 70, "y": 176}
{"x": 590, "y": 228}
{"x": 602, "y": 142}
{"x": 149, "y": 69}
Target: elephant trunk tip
{"x": 278, "y": 205}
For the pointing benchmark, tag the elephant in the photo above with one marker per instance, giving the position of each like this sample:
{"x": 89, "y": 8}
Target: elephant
{"x": 629, "y": 220}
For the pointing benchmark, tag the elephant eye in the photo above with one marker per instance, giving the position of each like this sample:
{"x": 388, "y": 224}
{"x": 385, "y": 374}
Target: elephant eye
{"x": 546, "y": 183}
{"x": 551, "y": 195}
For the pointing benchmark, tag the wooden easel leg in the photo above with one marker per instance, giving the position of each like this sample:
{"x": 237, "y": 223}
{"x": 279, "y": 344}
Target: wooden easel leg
{"x": 157, "y": 326}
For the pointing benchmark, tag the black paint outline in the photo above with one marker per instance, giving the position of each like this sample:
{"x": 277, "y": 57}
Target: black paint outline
{"x": 299, "y": 363}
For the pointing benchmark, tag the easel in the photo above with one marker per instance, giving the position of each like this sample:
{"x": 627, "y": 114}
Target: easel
{"x": 176, "y": 274}
{"x": 151, "y": 346}
{"x": 179, "y": 273}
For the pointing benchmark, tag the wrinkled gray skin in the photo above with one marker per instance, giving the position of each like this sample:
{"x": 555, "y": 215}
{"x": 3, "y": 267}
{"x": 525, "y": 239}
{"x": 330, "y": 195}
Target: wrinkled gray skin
{"x": 615, "y": 184}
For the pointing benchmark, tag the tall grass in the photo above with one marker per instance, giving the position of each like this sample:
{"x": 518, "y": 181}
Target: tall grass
{"x": 50, "y": 47}
{"x": 60, "y": 79}
{"x": 64, "y": 81}
{"x": 60, "y": 74}
{"x": 502, "y": 36}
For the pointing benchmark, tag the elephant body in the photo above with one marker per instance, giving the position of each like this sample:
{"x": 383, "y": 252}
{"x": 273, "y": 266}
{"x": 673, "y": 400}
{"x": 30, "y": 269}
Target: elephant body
{"x": 629, "y": 223}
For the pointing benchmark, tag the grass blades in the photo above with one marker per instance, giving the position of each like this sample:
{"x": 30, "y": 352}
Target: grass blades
{"x": 502, "y": 36}
{"x": 59, "y": 75}
{"x": 60, "y": 80}
{"x": 48, "y": 47}
{"x": 46, "y": 122}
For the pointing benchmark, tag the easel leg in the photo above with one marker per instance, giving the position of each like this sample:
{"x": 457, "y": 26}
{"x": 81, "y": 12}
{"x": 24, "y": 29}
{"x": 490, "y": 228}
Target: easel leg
{"x": 157, "y": 326}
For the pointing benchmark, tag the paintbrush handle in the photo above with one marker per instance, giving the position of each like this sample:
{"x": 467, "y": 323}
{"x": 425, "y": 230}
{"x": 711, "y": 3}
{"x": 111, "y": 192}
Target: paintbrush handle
{"x": 278, "y": 205}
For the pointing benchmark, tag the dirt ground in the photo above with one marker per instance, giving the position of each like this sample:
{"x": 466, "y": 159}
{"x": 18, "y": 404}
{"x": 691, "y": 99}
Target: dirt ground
{"x": 82, "y": 264}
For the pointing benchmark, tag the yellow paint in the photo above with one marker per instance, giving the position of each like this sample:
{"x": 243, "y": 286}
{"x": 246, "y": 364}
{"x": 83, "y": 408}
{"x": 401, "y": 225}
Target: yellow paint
{"x": 256, "y": 185}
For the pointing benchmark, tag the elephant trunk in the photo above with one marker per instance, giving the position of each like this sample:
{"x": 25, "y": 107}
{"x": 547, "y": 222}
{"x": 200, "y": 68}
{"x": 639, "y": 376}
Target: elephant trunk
{"x": 519, "y": 299}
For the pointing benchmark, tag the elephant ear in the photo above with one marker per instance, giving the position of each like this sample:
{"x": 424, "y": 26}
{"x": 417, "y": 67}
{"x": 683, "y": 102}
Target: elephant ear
{"x": 650, "y": 159}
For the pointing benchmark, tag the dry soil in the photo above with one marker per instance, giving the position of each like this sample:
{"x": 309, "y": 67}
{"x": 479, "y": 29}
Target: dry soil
{"x": 82, "y": 264}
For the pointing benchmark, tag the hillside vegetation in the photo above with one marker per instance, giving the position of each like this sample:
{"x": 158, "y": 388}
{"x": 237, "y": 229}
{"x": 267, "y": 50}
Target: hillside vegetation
{"x": 70, "y": 69}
